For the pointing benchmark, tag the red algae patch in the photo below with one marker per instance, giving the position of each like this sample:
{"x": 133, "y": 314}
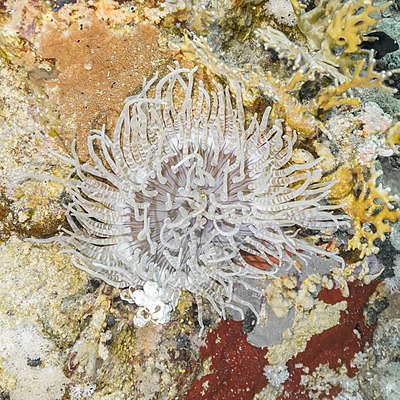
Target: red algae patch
{"x": 335, "y": 346}
{"x": 236, "y": 365}
{"x": 98, "y": 68}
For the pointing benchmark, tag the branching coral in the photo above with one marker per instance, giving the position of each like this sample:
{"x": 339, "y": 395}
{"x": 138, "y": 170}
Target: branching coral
{"x": 304, "y": 116}
{"x": 185, "y": 189}
{"x": 333, "y": 67}
{"x": 337, "y": 28}
{"x": 368, "y": 204}
{"x": 254, "y": 81}
{"x": 309, "y": 67}
{"x": 332, "y": 96}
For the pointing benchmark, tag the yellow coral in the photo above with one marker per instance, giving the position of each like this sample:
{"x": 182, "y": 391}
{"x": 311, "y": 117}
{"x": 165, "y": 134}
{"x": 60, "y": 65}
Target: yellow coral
{"x": 393, "y": 136}
{"x": 297, "y": 116}
{"x": 368, "y": 204}
{"x": 306, "y": 118}
{"x": 336, "y": 95}
{"x": 338, "y": 27}
{"x": 349, "y": 24}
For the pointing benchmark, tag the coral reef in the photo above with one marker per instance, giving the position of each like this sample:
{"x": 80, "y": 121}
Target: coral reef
{"x": 320, "y": 116}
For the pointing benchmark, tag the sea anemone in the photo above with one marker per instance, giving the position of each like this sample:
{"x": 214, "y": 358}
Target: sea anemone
{"x": 185, "y": 192}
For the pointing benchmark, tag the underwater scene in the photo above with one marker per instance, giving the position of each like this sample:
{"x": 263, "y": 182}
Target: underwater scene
{"x": 199, "y": 200}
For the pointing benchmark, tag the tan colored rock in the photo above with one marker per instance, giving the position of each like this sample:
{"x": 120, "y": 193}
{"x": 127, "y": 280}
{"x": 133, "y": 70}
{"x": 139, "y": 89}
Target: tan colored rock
{"x": 97, "y": 68}
{"x": 306, "y": 325}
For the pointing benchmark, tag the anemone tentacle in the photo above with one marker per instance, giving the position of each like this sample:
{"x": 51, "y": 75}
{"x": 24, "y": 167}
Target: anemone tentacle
{"x": 184, "y": 187}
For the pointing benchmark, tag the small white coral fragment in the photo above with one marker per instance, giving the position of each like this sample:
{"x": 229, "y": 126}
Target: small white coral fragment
{"x": 276, "y": 374}
{"x": 80, "y": 392}
{"x": 151, "y": 307}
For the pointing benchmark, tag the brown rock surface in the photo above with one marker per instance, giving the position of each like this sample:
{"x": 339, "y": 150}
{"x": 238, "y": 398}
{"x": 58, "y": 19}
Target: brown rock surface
{"x": 98, "y": 68}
